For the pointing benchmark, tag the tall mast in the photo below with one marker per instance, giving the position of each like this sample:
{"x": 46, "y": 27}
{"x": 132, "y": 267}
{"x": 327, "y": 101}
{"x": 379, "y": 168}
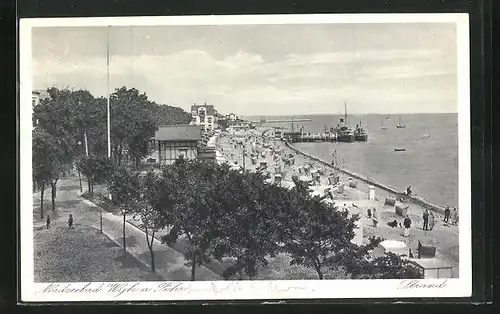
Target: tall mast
{"x": 107, "y": 92}
{"x": 345, "y": 113}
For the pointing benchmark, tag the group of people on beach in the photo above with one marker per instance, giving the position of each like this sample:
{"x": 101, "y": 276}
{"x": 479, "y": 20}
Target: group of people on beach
{"x": 428, "y": 220}
{"x": 449, "y": 215}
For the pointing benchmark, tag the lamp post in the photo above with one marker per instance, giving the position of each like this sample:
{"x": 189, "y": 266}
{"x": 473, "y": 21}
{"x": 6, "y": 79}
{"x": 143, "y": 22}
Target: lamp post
{"x": 244, "y": 153}
{"x": 79, "y": 175}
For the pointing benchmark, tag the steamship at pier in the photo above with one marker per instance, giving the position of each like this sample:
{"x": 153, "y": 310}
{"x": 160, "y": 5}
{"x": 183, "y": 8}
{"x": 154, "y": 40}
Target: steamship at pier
{"x": 341, "y": 133}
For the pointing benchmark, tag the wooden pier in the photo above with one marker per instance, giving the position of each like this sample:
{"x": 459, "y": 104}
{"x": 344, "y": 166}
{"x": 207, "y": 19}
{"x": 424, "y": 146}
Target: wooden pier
{"x": 315, "y": 138}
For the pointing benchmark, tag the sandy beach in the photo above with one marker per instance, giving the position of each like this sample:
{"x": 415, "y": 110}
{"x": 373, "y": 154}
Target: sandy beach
{"x": 252, "y": 150}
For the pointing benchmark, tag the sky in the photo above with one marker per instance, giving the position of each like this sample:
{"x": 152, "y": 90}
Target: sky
{"x": 260, "y": 69}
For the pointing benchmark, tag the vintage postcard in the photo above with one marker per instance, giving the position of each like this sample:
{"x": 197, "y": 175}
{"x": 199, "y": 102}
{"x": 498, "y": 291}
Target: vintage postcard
{"x": 245, "y": 157}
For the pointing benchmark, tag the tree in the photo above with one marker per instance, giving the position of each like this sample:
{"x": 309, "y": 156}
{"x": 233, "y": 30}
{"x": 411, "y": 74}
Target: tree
{"x": 192, "y": 213}
{"x": 168, "y": 115}
{"x": 65, "y": 115}
{"x": 97, "y": 169}
{"x": 248, "y": 227}
{"x": 125, "y": 193}
{"x": 312, "y": 231}
{"x": 133, "y": 123}
{"x": 153, "y": 200}
{"x": 44, "y": 155}
{"x": 358, "y": 262}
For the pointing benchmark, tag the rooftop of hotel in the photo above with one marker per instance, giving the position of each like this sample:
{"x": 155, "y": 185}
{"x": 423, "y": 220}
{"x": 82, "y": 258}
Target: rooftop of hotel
{"x": 210, "y": 110}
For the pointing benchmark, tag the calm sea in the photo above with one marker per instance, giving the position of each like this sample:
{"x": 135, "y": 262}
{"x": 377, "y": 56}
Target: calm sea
{"x": 429, "y": 164}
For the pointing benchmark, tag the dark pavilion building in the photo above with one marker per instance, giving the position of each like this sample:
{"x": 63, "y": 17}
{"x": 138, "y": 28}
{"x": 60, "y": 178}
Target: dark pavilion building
{"x": 173, "y": 141}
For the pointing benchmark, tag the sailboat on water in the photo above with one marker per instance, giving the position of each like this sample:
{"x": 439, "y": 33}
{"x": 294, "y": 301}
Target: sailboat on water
{"x": 400, "y": 125}
{"x": 382, "y": 127}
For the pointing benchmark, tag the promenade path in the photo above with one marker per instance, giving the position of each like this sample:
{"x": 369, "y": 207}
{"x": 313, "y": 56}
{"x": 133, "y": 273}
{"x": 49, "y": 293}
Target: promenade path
{"x": 170, "y": 264}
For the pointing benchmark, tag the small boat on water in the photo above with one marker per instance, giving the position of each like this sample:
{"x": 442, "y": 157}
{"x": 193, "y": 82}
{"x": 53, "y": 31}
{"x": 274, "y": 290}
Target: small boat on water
{"x": 400, "y": 149}
{"x": 400, "y": 125}
{"x": 382, "y": 127}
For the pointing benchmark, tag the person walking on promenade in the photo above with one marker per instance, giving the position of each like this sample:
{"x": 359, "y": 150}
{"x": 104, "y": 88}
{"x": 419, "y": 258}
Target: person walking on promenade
{"x": 454, "y": 217}
{"x": 70, "y": 221}
{"x": 446, "y": 214}
{"x": 425, "y": 217}
{"x": 48, "y": 221}
{"x": 431, "y": 220}
{"x": 408, "y": 190}
{"x": 407, "y": 225}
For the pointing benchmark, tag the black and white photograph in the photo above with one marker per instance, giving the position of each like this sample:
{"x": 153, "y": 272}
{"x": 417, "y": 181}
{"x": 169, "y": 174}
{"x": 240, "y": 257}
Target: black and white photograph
{"x": 245, "y": 157}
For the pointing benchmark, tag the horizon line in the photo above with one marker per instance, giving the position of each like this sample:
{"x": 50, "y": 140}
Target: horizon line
{"x": 356, "y": 113}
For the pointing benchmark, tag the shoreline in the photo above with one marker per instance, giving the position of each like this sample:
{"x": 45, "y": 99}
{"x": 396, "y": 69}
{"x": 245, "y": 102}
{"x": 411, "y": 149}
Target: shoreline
{"x": 415, "y": 200}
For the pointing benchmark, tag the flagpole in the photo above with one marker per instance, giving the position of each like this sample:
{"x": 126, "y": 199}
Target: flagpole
{"x": 108, "y": 111}
{"x": 107, "y": 92}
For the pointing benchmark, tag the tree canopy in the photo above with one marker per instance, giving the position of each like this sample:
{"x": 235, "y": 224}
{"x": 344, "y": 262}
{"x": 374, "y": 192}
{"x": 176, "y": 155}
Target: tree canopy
{"x": 223, "y": 213}
{"x": 68, "y": 115}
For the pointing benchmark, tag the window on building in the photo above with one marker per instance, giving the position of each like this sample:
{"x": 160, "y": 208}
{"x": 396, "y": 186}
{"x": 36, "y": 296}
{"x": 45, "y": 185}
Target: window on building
{"x": 183, "y": 152}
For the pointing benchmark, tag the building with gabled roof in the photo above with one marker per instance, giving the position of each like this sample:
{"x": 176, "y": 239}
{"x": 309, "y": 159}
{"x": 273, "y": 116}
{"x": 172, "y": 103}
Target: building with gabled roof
{"x": 174, "y": 141}
{"x": 205, "y": 116}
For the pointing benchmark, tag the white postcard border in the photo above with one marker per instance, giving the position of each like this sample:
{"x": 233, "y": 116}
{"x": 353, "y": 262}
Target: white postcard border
{"x": 223, "y": 290}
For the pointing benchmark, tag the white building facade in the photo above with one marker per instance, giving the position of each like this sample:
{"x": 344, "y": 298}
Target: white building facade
{"x": 205, "y": 116}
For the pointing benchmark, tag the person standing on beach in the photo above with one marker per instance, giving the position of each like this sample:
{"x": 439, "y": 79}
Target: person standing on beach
{"x": 425, "y": 217}
{"x": 431, "y": 220}
{"x": 454, "y": 217}
{"x": 48, "y": 221}
{"x": 408, "y": 190}
{"x": 407, "y": 225}
{"x": 446, "y": 214}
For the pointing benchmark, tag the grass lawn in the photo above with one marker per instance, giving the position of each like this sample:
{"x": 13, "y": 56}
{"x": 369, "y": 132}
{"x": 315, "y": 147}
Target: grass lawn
{"x": 279, "y": 268}
{"x": 83, "y": 254}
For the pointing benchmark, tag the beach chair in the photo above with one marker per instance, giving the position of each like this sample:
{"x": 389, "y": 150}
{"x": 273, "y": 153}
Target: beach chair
{"x": 390, "y": 201}
{"x": 340, "y": 189}
{"x": 426, "y": 249}
{"x": 317, "y": 178}
{"x": 277, "y": 178}
{"x": 401, "y": 210}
